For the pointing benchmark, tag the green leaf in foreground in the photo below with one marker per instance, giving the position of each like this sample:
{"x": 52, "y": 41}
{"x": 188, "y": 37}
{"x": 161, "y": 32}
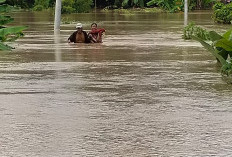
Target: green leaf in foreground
{"x": 214, "y": 36}
{"x": 211, "y": 49}
{"x": 225, "y": 44}
{"x": 4, "y": 32}
{"x": 228, "y": 35}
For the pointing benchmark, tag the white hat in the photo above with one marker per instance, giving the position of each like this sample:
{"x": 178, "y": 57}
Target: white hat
{"x": 79, "y": 25}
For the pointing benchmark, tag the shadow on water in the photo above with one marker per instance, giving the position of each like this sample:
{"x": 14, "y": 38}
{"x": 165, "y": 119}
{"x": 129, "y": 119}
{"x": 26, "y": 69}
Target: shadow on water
{"x": 143, "y": 92}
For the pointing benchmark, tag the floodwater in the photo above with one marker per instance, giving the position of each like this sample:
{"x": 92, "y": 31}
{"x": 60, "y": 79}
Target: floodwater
{"x": 144, "y": 92}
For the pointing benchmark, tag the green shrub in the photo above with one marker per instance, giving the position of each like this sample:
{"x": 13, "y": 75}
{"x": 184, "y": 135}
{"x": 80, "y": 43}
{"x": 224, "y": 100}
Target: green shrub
{"x": 44, "y": 3}
{"x": 192, "y": 30}
{"x": 67, "y": 7}
{"x": 78, "y": 6}
{"x": 218, "y": 5}
{"x": 38, "y": 8}
{"x": 208, "y": 3}
{"x": 21, "y": 3}
{"x": 69, "y": 3}
{"x": 67, "y": 10}
{"x": 83, "y": 6}
{"x": 169, "y": 5}
{"x": 222, "y": 13}
{"x": 52, "y": 3}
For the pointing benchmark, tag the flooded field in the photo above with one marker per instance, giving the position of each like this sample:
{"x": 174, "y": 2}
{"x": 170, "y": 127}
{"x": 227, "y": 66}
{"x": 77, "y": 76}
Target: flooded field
{"x": 144, "y": 92}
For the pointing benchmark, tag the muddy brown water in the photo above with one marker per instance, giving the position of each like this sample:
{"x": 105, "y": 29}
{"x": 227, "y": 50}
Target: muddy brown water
{"x": 144, "y": 92}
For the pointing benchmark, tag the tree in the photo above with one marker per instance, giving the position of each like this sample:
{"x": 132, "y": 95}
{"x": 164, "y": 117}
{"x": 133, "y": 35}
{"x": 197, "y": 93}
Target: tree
{"x": 21, "y": 3}
{"x": 133, "y": 3}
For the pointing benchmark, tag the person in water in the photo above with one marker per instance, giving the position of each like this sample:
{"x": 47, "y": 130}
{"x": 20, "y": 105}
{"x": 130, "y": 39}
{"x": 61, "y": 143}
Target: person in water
{"x": 79, "y": 36}
{"x": 95, "y": 35}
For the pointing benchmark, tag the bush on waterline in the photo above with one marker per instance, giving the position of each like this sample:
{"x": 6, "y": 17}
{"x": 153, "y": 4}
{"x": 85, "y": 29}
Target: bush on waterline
{"x": 76, "y": 6}
{"x": 222, "y": 13}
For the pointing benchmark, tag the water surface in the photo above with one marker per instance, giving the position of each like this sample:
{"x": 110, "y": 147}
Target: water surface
{"x": 144, "y": 92}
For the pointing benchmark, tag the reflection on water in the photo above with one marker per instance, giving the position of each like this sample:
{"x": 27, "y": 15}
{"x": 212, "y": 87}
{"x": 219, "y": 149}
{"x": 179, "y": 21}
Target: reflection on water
{"x": 57, "y": 42}
{"x": 143, "y": 92}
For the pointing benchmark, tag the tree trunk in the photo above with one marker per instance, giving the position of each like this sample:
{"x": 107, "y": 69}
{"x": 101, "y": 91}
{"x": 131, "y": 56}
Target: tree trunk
{"x": 199, "y": 4}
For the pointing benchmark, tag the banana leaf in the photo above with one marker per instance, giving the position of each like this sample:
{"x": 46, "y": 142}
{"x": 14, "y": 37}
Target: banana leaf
{"x": 228, "y": 35}
{"x": 211, "y": 49}
{"x": 214, "y": 36}
{"x": 11, "y": 30}
{"x": 225, "y": 44}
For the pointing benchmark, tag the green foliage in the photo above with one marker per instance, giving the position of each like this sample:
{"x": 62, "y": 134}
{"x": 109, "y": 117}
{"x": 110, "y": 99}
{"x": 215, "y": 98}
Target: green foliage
{"x": 52, "y": 3}
{"x": 218, "y": 5}
{"x": 5, "y": 19}
{"x": 38, "y": 8}
{"x": 207, "y": 3}
{"x": 21, "y": 3}
{"x": 178, "y": 5}
{"x": 11, "y": 33}
{"x": 225, "y": 42}
{"x": 192, "y": 4}
{"x": 67, "y": 7}
{"x": 165, "y": 4}
{"x": 116, "y": 4}
{"x": 78, "y": 6}
{"x": 68, "y": 3}
{"x": 222, "y": 13}
{"x": 83, "y": 6}
{"x": 5, "y": 8}
{"x": 67, "y": 10}
{"x": 221, "y": 48}
{"x": 192, "y": 30}
{"x": 8, "y": 33}
{"x": 44, "y": 3}
{"x": 134, "y": 3}
{"x": 169, "y": 5}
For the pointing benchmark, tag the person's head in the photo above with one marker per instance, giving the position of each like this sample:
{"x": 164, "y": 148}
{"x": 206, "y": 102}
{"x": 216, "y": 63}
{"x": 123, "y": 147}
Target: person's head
{"x": 93, "y": 26}
{"x": 79, "y": 27}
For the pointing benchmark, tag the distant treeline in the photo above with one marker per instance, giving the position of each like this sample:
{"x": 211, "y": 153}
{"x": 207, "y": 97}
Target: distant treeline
{"x": 86, "y": 5}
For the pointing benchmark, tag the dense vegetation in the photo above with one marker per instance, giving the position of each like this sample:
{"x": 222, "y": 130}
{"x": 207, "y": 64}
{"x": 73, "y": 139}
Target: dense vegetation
{"x": 222, "y": 13}
{"x": 78, "y": 6}
{"x": 8, "y": 34}
{"x": 178, "y": 5}
{"x": 85, "y": 5}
